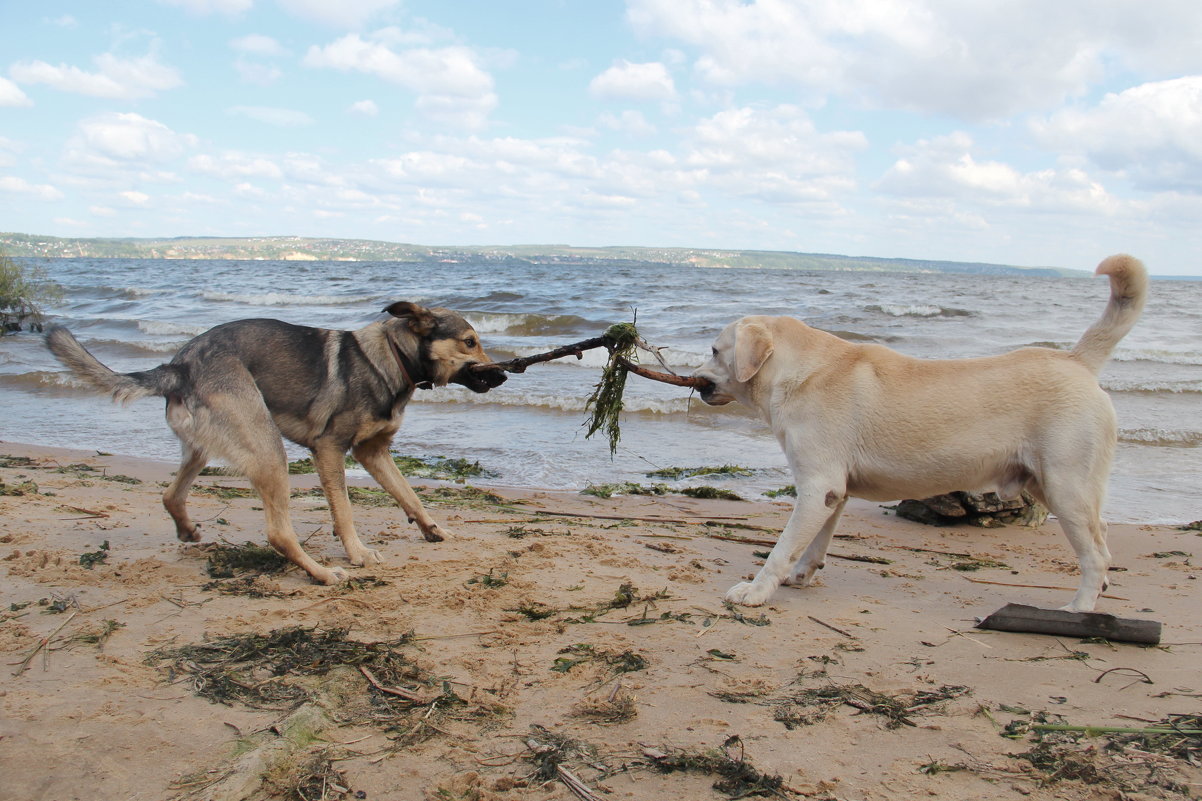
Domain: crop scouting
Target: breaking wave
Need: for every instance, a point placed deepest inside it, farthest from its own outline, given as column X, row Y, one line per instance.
column 288, row 299
column 531, row 325
column 162, row 328
column 917, row 310
column 1161, row 437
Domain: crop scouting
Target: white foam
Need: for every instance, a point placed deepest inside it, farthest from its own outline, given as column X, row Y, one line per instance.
column 287, row 299
column 164, row 328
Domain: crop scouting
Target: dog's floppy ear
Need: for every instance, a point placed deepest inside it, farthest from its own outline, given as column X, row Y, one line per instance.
column 421, row 320
column 753, row 346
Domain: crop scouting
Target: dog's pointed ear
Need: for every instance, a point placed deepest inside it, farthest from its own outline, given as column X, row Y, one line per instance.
column 421, row 320
column 753, row 346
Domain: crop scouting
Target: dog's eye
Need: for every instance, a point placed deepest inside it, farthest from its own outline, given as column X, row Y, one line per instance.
column 470, row 342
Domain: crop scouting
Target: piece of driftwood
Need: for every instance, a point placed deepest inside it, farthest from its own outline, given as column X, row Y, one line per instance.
column 519, row 365
column 577, row 349
column 1033, row 620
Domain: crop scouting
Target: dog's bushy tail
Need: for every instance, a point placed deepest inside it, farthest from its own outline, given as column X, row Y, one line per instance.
column 163, row 380
column 1128, row 291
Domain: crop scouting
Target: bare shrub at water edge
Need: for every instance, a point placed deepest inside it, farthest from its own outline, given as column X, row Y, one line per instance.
column 23, row 291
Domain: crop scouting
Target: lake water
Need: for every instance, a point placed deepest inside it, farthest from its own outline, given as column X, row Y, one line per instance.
column 134, row 314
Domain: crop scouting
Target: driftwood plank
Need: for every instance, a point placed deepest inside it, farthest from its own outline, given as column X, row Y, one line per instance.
column 1033, row 620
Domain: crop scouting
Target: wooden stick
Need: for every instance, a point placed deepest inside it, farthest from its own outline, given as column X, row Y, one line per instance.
column 577, row 349
column 519, row 365
column 667, row 378
column 1023, row 618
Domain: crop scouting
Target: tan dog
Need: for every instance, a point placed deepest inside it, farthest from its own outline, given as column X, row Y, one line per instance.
column 867, row 421
column 232, row 391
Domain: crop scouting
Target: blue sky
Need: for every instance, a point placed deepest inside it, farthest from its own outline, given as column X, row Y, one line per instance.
column 1020, row 132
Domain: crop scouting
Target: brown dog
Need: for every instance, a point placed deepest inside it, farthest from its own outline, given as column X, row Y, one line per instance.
column 232, row 391
column 867, row 421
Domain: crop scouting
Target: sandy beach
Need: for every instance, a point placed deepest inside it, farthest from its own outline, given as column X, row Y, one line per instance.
column 566, row 640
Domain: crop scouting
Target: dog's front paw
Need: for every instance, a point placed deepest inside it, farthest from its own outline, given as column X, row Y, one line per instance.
column 436, row 533
column 748, row 594
column 367, row 556
column 330, row 575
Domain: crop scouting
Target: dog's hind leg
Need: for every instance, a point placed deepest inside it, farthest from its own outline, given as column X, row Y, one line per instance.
column 1082, row 523
column 373, row 455
column 331, row 470
column 818, row 508
column 239, row 428
column 175, row 497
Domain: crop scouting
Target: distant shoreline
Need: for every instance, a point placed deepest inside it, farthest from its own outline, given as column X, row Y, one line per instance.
column 295, row 248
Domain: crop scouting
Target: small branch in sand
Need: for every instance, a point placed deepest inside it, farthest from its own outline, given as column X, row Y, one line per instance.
column 1038, row 587
column 88, row 513
column 408, row 695
column 673, row 520
column 42, row 643
column 832, row 628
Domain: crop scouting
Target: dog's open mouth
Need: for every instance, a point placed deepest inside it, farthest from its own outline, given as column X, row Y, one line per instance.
column 478, row 378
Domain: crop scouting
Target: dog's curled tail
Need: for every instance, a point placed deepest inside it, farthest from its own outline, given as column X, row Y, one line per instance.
column 163, row 380
column 1128, row 291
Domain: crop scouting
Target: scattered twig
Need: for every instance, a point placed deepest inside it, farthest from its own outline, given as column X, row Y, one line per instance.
column 832, row 628
column 453, row 636
column 88, row 513
column 1092, row 730
column 42, row 643
column 578, row 788
column 408, row 695
column 677, row 521
column 1038, row 587
column 1145, row 679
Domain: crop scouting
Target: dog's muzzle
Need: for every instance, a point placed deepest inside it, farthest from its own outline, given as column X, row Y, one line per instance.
column 479, row 379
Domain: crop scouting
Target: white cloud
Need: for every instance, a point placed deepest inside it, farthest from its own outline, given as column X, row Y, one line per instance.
column 19, row 186
column 367, row 108
column 102, row 211
column 232, row 165
column 340, row 14
column 115, row 78
column 134, row 198
column 255, row 52
column 945, row 168
column 280, row 117
column 257, row 44
column 641, row 82
column 65, row 21
column 257, row 73
column 776, row 154
column 204, row 7
column 11, row 94
column 128, row 137
column 450, row 84
column 975, row 61
column 629, row 122
column 1150, row 133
